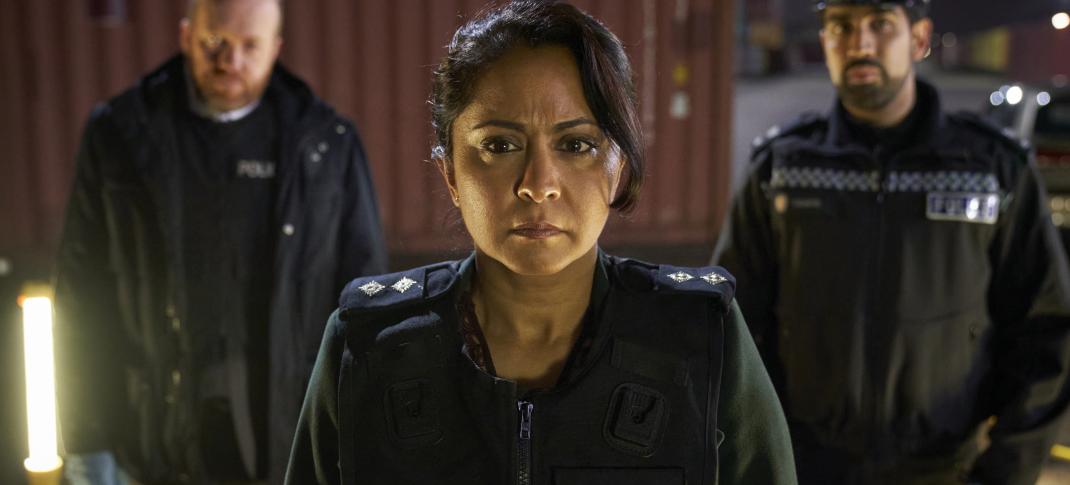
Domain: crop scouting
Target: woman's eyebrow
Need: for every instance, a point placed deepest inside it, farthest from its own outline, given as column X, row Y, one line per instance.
column 512, row 125
column 564, row 125
column 509, row 125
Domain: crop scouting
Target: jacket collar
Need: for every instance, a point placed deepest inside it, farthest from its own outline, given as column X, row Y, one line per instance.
column 200, row 108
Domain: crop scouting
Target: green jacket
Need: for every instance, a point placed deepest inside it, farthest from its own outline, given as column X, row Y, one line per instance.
column 672, row 390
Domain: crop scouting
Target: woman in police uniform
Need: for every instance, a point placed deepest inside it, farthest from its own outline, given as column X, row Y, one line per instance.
column 539, row 359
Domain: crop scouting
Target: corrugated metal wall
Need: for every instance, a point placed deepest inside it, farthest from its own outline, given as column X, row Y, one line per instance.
column 372, row 60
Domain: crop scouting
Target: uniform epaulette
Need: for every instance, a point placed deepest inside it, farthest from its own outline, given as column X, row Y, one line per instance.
column 707, row 280
column 986, row 126
column 397, row 290
column 712, row 281
column 803, row 122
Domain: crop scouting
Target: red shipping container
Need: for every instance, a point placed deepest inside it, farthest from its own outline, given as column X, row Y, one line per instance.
column 372, row 60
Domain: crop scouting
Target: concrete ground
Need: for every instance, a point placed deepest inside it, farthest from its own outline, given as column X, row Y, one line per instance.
column 1056, row 473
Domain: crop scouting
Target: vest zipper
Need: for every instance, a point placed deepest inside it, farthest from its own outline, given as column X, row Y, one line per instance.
column 526, row 408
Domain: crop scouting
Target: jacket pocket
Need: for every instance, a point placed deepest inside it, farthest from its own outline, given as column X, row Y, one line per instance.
column 618, row 476
column 938, row 384
column 321, row 228
column 817, row 356
column 139, row 431
column 127, row 210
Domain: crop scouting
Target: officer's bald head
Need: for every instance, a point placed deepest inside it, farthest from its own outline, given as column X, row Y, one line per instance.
column 214, row 5
column 230, row 47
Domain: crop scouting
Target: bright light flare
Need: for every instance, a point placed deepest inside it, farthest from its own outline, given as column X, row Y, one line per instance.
column 1060, row 20
column 996, row 98
column 40, row 385
column 1043, row 98
column 1015, row 95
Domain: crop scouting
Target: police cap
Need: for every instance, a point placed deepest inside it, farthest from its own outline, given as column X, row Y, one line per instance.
column 916, row 8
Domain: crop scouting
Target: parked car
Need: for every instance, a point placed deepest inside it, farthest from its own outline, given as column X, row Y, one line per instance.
column 1041, row 116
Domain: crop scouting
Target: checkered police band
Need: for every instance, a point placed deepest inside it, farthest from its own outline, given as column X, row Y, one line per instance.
column 869, row 181
column 949, row 195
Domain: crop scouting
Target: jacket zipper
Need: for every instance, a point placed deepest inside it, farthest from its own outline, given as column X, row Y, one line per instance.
column 874, row 376
column 525, row 408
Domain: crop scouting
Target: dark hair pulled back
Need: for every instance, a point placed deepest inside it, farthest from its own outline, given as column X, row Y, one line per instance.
column 605, row 74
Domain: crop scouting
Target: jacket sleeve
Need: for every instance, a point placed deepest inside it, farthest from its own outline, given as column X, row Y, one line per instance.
column 362, row 249
column 1029, row 301
column 314, row 455
column 757, row 447
column 91, row 390
column 747, row 249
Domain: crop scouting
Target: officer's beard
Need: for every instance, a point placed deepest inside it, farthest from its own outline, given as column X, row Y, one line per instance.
column 869, row 97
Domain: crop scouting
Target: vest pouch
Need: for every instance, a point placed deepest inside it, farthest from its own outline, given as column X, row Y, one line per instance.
column 636, row 419
column 618, row 476
column 412, row 413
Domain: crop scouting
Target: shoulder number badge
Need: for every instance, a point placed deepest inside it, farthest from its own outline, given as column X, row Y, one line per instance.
column 962, row 207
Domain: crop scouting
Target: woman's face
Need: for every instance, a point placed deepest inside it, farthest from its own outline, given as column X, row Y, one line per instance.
column 533, row 174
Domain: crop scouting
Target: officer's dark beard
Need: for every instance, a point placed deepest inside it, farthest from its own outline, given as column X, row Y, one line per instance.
column 869, row 97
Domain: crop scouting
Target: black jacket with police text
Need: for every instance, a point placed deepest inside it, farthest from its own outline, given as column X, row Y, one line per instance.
column 124, row 352
column 903, row 296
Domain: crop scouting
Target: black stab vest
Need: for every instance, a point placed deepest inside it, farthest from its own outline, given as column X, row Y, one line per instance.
column 642, row 409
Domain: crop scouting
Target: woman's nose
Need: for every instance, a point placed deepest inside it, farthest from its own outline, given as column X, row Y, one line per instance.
column 540, row 181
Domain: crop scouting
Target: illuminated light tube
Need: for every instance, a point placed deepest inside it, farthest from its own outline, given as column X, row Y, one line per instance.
column 40, row 387
column 1061, row 452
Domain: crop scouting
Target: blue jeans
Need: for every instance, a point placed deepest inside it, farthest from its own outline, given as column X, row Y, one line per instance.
column 97, row 468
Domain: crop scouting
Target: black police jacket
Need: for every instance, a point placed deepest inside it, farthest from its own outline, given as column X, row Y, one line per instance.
column 903, row 296
column 125, row 367
column 673, row 391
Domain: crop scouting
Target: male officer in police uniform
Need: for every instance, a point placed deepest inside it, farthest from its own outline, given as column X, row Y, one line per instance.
column 900, row 274
column 218, row 207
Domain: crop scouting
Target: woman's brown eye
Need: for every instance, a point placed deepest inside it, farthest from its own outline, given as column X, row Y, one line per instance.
column 578, row 145
column 499, row 146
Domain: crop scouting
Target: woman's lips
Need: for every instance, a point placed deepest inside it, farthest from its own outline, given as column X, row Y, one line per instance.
column 536, row 230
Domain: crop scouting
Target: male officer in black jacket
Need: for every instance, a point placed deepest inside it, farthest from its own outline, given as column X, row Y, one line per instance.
column 217, row 207
column 900, row 274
